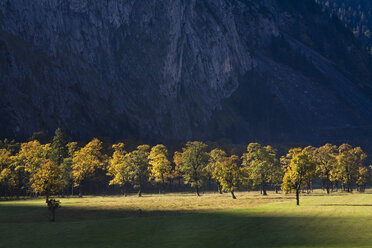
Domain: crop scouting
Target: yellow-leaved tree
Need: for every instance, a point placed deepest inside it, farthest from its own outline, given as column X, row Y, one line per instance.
column 7, row 174
column 160, row 166
column 215, row 156
column 326, row 160
column 86, row 162
column 229, row 174
column 363, row 178
column 193, row 162
column 47, row 179
column 299, row 167
column 139, row 167
column 349, row 160
column 119, row 168
column 260, row 164
column 32, row 154
column 176, row 173
column 29, row 160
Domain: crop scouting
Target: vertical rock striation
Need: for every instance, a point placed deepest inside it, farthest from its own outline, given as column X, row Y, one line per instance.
column 174, row 69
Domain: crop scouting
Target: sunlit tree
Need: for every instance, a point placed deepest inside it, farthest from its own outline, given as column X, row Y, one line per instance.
column 194, row 160
column 7, row 173
column 260, row 163
column 177, row 161
column 229, row 174
column 326, row 161
column 86, row 162
column 311, row 174
column 363, row 178
column 139, row 167
column 349, row 160
column 215, row 156
column 47, row 179
column 300, row 166
column 32, row 155
column 28, row 161
column 160, row 166
column 119, row 168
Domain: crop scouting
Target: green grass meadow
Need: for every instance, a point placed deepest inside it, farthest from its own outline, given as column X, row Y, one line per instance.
column 184, row 220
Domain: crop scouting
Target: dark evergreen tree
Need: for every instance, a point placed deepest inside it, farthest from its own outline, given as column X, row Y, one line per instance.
column 59, row 149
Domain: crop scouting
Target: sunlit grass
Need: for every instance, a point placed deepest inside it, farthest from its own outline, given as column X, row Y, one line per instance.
column 184, row 220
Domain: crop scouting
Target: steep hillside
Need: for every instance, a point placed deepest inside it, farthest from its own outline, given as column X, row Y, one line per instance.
column 356, row 15
column 275, row 71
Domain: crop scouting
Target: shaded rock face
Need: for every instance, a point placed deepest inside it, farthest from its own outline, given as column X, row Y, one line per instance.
column 176, row 69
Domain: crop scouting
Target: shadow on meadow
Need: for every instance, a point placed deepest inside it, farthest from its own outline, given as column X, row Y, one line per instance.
column 27, row 214
column 181, row 228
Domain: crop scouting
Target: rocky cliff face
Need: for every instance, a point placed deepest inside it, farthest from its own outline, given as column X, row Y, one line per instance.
column 177, row 69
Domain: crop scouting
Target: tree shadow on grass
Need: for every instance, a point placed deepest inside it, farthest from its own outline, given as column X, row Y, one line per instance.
column 86, row 227
column 28, row 214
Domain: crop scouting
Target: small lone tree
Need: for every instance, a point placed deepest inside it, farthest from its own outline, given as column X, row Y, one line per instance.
column 194, row 160
column 53, row 205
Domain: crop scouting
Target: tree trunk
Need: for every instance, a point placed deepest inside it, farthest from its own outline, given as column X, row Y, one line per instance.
column 140, row 192
column 159, row 188
column 124, row 190
column 264, row 189
column 298, row 197
column 219, row 188
column 233, row 195
column 363, row 188
column 276, row 190
column 46, row 198
column 197, row 191
column 81, row 191
column 163, row 186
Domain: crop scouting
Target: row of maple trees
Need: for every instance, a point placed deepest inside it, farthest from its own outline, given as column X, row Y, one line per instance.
column 46, row 169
